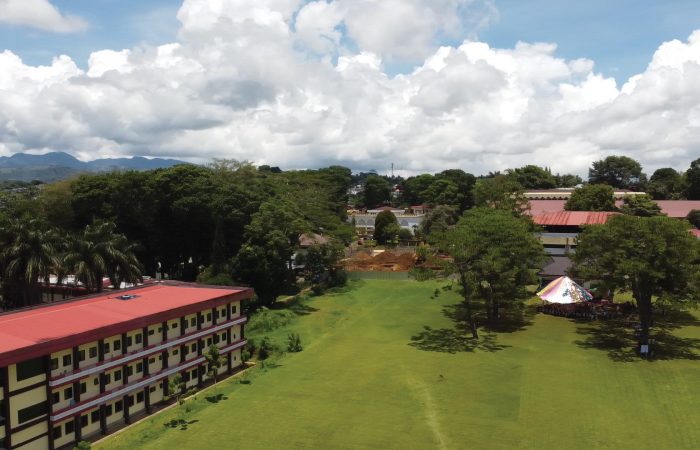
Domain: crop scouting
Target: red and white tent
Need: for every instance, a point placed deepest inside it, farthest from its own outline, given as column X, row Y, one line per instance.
column 564, row 290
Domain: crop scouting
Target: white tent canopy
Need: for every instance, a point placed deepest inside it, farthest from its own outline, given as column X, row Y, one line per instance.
column 564, row 290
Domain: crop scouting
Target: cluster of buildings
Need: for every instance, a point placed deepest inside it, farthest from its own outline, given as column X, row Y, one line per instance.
column 81, row 368
column 409, row 219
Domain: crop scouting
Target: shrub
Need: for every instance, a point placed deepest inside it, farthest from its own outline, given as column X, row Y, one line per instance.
column 267, row 320
column 294, row 343
column 317, row 289
column 83, row 445
column 337, row 278
column 266, row 348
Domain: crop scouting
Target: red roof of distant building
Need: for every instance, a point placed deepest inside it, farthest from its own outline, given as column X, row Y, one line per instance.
column 572, row 218
column 39, row 331
column 678, row 208
column 696, row 232
column 538, row 207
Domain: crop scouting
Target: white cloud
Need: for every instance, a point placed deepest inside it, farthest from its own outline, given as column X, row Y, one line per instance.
column 40, row 14
column 258, row 80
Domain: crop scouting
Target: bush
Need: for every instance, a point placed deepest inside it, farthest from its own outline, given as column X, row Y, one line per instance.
column 317, row 289
column 337, row 278
column 266, row 348
column 83, row 445
column 268, row 320
column 294, row 343
column 220, row 279
column 421, row 274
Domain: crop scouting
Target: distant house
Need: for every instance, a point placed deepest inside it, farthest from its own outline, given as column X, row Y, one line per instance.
column 364, row 221
column 306, row 240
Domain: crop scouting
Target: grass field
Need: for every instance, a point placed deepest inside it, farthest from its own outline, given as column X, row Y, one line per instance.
column 384, row 367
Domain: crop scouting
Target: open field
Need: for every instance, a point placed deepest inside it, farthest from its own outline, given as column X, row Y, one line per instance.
column 383, row 366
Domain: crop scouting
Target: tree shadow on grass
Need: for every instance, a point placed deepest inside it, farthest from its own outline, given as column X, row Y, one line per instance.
column 447, row 340
column 459, row 338
column 216, row 398
column 617, row 338
column 182, row 424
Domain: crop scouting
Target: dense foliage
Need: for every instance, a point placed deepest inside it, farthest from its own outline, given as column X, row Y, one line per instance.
column 591, row 197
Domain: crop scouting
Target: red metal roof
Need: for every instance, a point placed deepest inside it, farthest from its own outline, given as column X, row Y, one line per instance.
column 695, row 232
column 31, row 333
column 672, row 208
column 572, row 218
column 678, row 208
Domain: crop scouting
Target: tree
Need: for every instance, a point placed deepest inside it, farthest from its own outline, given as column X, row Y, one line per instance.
column 501, row 192
column 29, row 255
column 493, row 255
column 648, row 256
column 592, row 197
column 692, row 180
column 568, row 180
column 385, row 227
column 176, row 386
column 620, row 172
column 443, row 192
column 666, row 184
column 465, row 183
column 694, row 218
column 533, row 177
column 377, row 191
column 413, row 188
column 640, row 205
column 214, row 361
column 439, row 220
column 320, row 260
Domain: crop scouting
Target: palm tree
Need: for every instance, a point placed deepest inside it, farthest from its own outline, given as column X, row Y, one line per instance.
column 122, row 263
column 84, row 259
column 28, row 258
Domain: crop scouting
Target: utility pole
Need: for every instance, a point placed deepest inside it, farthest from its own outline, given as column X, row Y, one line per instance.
column 392, row 171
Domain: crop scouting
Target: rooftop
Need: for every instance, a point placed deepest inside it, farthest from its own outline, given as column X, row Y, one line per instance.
column 672, row 208
column 30, row 333
column 572, row 218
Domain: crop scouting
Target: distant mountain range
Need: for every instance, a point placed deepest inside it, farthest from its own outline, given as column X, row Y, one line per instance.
column 59, row 165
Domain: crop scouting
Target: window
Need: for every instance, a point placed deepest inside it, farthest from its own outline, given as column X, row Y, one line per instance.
column 186, row 377
column 32, row 412
column 93, row 352
column 105, row 347
column 117, row 345
column 129, row 371
column 139, row 367
column 68, row 394
column 96, row 381
column 139, row 338
column 54, row 363
column 30, row 368
column 108, row 410
column 57, row 432
column 69, row 427
column 175, row 352
column 108, row 378
column 152, row 361
column 129, row 341
column 194, row 347
column 81, row 355
column 151, row 332
column 209, row 317
column 129, row 400
column 83, row 421
column 139, row 397
column 95, row 416
column 83, row 387
column 216, row 314
column 67, row 360
column 152, row 389
column 216, row 338
column 117, row 375
column 118, row 406
column 209, row 342
column 193, row 322
column 233, row 309
column 174, row 325
column 160, row 357
column 55, row 397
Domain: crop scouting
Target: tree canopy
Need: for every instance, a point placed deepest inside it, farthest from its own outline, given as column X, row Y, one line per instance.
column 692, row 179
column 591, row 197
column 640, row 205
column 620, row 172
column 386, row 227
column 648, row 256
column 666, row 184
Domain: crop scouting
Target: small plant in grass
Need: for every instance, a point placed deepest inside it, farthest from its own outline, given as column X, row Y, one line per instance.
column 175, row 387
column 294, row 343
column 265, row 349
column 83, row 445
column 214, row 361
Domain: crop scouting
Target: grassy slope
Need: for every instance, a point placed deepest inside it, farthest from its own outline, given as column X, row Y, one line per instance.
column 359, row 384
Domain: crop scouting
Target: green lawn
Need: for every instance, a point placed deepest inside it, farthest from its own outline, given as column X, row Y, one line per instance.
column 362, row 382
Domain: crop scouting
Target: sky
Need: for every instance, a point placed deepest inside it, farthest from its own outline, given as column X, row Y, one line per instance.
column 481, row 85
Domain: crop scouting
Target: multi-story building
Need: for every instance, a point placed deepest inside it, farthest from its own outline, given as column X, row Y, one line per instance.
column 76, row 369
column 407, row 219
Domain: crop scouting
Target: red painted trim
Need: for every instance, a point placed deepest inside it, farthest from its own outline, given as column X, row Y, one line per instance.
column 48, row 347
column 135, row 352
column 28, row 388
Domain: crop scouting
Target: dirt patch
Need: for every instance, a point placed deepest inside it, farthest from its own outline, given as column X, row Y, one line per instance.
column 383, row 262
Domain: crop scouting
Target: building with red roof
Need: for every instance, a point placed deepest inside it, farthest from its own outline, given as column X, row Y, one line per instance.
column 75, row 369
